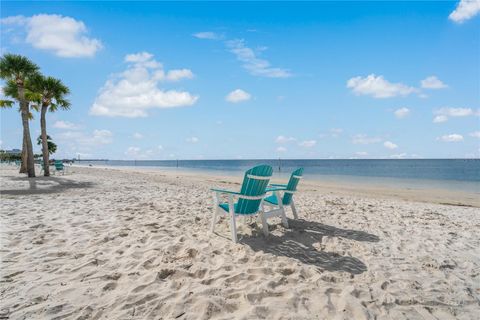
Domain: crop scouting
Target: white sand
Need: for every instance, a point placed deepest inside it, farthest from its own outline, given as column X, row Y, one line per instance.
column 123, row 244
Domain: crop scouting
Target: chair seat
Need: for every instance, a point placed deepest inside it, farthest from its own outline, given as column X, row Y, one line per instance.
column 271, row 199
column 225, row 207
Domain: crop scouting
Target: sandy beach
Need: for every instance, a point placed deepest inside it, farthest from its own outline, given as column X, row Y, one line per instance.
column 104, row 243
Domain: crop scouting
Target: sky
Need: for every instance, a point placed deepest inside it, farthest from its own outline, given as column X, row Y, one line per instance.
column 177, row 80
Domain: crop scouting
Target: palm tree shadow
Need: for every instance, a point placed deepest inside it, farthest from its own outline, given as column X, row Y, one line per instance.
column 45, row 185
column 297, row 243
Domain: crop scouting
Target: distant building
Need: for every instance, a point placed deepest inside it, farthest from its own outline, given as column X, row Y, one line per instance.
column 13, row 151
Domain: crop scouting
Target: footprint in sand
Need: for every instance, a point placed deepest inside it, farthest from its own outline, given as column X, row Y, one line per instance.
column 110, row 286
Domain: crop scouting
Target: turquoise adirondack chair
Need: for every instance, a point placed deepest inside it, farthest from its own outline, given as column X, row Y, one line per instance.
column 59, row 167
column 287, row 200
column 249, row 201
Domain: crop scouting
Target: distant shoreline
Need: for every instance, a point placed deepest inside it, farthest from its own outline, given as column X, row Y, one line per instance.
column 456, row 175
column 276, row 159
column 454, row 197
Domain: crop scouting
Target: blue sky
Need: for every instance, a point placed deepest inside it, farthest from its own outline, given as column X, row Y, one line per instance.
column 156, row 80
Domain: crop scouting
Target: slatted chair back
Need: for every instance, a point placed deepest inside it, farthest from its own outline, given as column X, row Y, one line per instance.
column 292, row 186
column 58, row 165
column 253, row 189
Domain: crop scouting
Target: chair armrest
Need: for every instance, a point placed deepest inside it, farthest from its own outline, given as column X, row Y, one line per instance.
column 277, row 185
column 225, row 191
column 273, row 189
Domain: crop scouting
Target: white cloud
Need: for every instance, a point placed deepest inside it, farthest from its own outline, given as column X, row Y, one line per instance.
column 399, row 156
column 143, row 59
column 177, row 75
column 364, row 139
column 14, row 20
column 207, row 35
column 281, row 149
column 192, row 140
column 238, row 95
column 456, row 112
column 60, row 124
column 308, row 143
column 475, row 134
column 402, row 113
column 440, row 119
column 361, row 153
column 390, row 145
column 137, row 153
column 85, row 141
column 132, row 151
column 443, row 114
column 466, row 9
column 451, row 138
column 101, row 137
column 378, row 87
column 133, row 92
column 284, row 139
column 137, row 135
column 254, row 65
column 64, row 36
column 433, row 82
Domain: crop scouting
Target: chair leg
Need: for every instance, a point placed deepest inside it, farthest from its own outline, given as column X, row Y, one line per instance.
column 214, row 219
column 215, row 212
column 282, row 209
column 233, row 226
column 284, row 218
column 294, row 210
column 264, row 224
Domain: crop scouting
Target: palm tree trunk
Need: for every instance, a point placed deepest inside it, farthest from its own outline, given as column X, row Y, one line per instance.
column 26, row 131
column 43, row 126
column 23, row 163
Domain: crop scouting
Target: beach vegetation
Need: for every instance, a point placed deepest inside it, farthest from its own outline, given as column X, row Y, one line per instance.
column 18, row 69
column 50, row 95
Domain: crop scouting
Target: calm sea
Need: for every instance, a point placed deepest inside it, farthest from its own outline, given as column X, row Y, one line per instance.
column 457, row 174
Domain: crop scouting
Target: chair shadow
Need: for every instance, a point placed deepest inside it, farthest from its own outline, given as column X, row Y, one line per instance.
column 45, row 185
column 297, row 243
column 326, row 230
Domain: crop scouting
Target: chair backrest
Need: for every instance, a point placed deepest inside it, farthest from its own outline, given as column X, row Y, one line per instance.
column 254, row 184
column 292, row 186
column 58, row 165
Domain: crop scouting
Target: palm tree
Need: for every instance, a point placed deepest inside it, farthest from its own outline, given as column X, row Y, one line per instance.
column 19, row 69
column 52, row 146
column 50, row 94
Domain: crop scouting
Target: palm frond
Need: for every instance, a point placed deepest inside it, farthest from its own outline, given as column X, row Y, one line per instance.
column 51, row 90
column 17, row 67
column 6, row 103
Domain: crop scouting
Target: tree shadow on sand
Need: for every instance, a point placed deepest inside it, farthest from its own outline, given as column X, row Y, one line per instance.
column 297, row 243
column 45, row 185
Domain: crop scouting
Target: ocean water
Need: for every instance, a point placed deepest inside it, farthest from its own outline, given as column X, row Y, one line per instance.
column 452, row 174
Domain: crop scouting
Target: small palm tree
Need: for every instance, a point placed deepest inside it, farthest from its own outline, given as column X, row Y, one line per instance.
column 52, row 146
column 19, row 69
column 50, row 95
